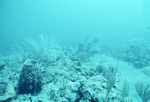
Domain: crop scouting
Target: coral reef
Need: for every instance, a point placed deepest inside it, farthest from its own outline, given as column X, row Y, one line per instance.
column 92, row 91
column 135, row 53
column 65, row 73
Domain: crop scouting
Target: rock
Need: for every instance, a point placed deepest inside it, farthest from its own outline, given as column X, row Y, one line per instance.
column 6, row 91
column 146, row 71
column 2, row 64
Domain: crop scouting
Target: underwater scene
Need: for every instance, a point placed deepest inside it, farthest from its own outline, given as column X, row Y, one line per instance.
column 74, row 51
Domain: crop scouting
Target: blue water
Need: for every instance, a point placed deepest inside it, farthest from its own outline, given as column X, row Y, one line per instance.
column 108, row 20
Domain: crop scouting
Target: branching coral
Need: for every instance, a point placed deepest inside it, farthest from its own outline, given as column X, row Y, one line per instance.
column 85, row 50
column 125, row 91
column 110, row 76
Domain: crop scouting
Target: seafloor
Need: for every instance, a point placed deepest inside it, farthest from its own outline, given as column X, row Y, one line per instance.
column 86, row 71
